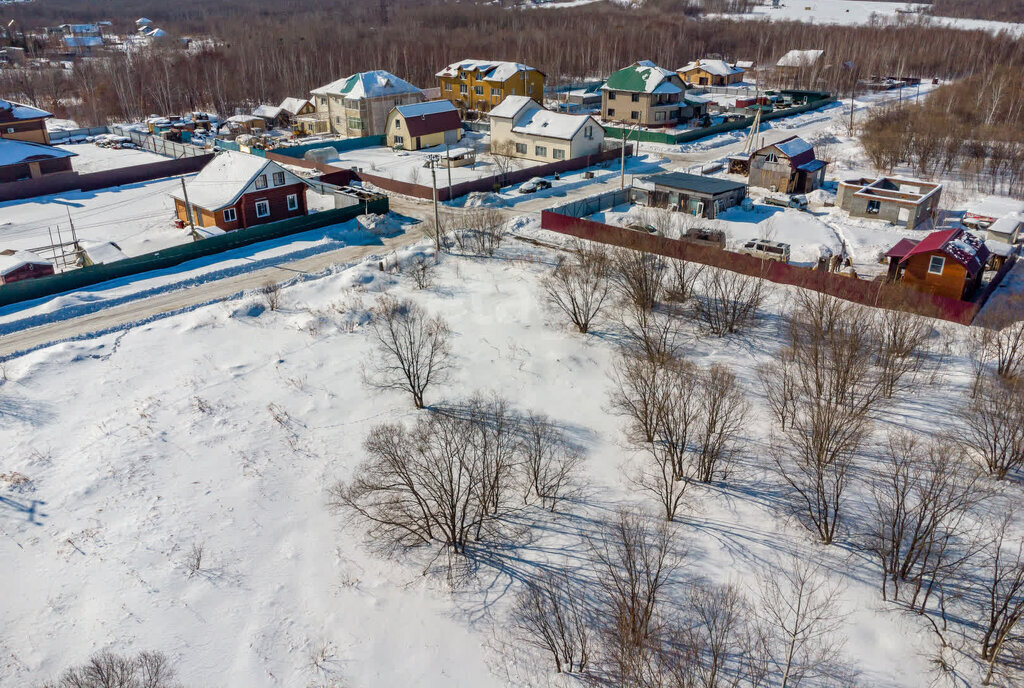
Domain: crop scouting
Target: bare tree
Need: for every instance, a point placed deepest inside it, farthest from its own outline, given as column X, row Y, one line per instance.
column 992, row 427
column 719, row 634
column 722, row 414
column 271, row 293
column 550, row 615
column 921, row 498
column 902, row 340
column 639, row 385
column 836, row 393
column 505, row 159
column 422, row 270
column 550, row 463
column 683, row 276
column 779, row 380
column 636, row 567
column 109, row 670
column 649, row 333
column 728, row 301
column 798, row 610
column 481, row 231
column 1002, row 589
column 412, row 349
column 638, row 277
column 579, row 284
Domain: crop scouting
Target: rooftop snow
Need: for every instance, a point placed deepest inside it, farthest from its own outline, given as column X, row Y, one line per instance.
column 82, row 41
column 555, row 125
column 293, row 105
column 794, row 146
column 224, row 179
column 103, row 252
column 432, row 107
column 714, row 67
column 13, row 152
column 9, row 262
column 267, row 111
column 490, row 70
column 511, row 106
column 642, row 77
column 373, row 84
column 9, row 110
column 799, row 58
column 1007, row 224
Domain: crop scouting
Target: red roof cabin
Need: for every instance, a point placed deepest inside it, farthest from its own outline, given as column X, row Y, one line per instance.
column 947, row 263
column 423, row 125
column 22, row 265
column 239, row 190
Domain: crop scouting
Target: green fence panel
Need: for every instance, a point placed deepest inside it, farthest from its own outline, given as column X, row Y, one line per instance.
column 341, row 146
column 27, row 290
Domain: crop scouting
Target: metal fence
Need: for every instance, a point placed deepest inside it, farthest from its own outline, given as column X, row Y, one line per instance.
column 66, row 135
column 158, row 145
column 592, row 204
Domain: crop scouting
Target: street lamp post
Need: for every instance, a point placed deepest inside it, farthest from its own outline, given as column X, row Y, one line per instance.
column 432, row 160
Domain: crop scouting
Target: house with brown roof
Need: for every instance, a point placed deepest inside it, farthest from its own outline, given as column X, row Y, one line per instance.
column 787, row 166
column 710, row 73
column 423, row 125
column 947, row 263
column 23, row 122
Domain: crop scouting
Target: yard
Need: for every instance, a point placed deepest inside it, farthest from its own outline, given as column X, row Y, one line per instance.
column 93, row 158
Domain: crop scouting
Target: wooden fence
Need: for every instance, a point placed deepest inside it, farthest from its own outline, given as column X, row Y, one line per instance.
column 877, row 293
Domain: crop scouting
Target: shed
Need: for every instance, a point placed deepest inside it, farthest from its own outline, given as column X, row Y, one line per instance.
column 787, row 166
column 21, row 265
column 710, row 73
column 947, row 263
column 1006, row 229
column 690, row 193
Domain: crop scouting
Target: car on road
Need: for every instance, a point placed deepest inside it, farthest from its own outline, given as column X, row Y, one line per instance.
column 535, row 185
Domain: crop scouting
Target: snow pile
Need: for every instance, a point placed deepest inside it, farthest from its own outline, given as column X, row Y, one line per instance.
column 483, row 199
column 821, row 197
column 380, row 225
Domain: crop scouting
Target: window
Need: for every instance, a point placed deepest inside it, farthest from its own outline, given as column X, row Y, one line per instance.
column 521, row 148
column 337, row 119
column 463, row 89
column 197, row 215
column 261, row 181
column 771, row 157
column 279, row 179
column 479, row 90
column 635, row 97
column 10, row 130
column 513, row 92
column 936, row 264
column 262, row 208
column 541, row 151
column 398, row 124
column 495, row 92
column 399, row 140
column 588, row 131
column 558, row 153
column 293, row 201
column 634, row 115
column 355, row 123
column 659, row 116
column 323, row 101
column 611, row 112
column 447, row 87
column 230, row 215
column 529, row 89
column 611, row 95
column 874, row 207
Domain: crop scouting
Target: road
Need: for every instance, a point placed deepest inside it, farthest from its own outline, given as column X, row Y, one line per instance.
column 169, row 302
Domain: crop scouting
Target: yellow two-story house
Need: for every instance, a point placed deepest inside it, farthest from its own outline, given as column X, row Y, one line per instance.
column 482, row 84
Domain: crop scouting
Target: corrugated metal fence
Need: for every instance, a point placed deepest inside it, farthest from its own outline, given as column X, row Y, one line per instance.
column 159, row 145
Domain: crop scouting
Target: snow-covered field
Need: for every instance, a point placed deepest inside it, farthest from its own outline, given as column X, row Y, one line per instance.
column 92, row 158
column 225, row 426
column 855, row 12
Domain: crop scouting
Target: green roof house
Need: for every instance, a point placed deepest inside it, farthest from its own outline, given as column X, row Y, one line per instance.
column 646, row 94
column 358, row 105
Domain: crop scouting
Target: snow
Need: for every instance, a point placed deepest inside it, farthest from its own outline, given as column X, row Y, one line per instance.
column 103, row 252
column 793, row 146
column 267, row 111
column 293, row 105
column 491, row 70
column 137, row 217
column 140, row 443
column 432, row 107
column 510, row 106
column 227, row 177
column 19, row 111
column 13, row 152
column 93, row 158
column 373, row 84
column 799, row 58
column 715, row 67
column 9, row 262
column 556, row 125
column 859, row 12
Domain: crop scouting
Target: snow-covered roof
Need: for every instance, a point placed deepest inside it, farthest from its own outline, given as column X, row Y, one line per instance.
column 1007, row 224
column 15, row 152
column 554, row 125
column 242, row 118
column 156, row 33
column 432, row 107
column 9, row 262
column 510, row 106
column 799, row 58
column 293, row 105
column 995, row 206
column 82, row 41
column 225, row 179
column 267, row 111
column 714, row 67
column 367, row 85
column 490, row 70
column 103, row 252
column 643, row 77
column 794, row 146
column 10, row 111
column 141, row 21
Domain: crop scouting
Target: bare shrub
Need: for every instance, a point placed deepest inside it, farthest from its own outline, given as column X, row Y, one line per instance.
column 722, row 413
column 800, row 619
column 109, row 670
column 836, row 391
column 922, row 495
column 638, row 277
column 779, row 382
column 1001, row 588
column 550, row 615
column 422, row 270
column 639, row 383
column 720, row 638
column 194, row 559
column 271, row 293
column 728, row 301
column 649, row 333
column 484, row 230
column 550, row 463
column 902, row 340
column 578, row 286
column 412, row 349
column 682, row 278
column 636, row 567
column 992, row 426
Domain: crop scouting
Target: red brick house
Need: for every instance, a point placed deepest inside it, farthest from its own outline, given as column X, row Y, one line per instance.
column 21, row 265
column 238, row 190
column 948, row 263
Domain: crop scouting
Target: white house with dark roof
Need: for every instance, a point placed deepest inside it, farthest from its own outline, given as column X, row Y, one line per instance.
column 358, row 105
column 522, row 128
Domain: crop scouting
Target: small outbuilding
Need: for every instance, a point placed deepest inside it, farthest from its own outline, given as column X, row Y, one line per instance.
column 947, row 263
column 787, row 166
column 710, row 73
column 22, row 265
column 238, row 190
column 423, row 125
column 273, row 116
column 1006, row 229
column 693, row 194
column 21, row 160
column 901, row 201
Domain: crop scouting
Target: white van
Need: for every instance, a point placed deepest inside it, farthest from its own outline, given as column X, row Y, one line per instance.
column 766, row 250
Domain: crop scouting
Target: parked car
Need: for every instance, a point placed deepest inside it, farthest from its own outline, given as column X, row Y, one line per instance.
column 535, row 185
column 798, row 201
column 648, row 229
column 767, row 250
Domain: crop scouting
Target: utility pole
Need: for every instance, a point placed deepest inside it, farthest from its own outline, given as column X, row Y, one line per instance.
column 622, row 164
column 188, row 206
column 448, row 162
column 74, row 235
column 432, row 159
